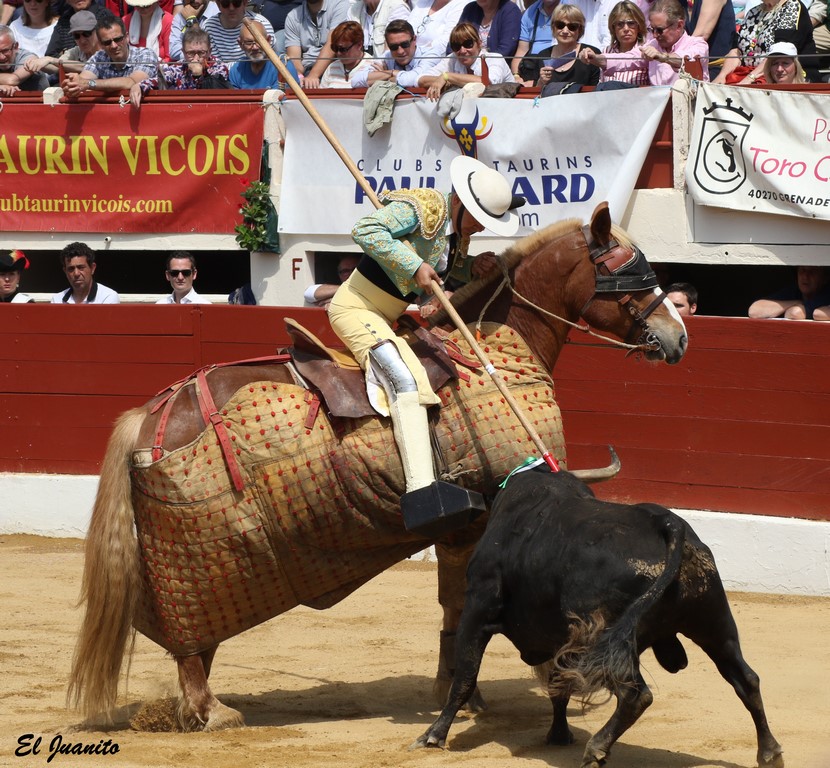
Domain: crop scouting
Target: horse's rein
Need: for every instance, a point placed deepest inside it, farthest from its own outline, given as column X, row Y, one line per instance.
column 583, row 328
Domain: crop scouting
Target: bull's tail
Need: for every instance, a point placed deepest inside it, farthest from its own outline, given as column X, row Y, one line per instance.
column 110, row 584
column 596, row 657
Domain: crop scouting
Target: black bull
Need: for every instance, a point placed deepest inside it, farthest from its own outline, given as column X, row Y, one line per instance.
column 582, row 587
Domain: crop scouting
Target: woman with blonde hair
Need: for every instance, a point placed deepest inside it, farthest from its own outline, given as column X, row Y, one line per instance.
column 622, row 60
column 562, row 63
column 782, row 66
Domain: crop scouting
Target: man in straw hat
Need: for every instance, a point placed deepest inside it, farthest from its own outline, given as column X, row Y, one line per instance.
column 388, row 278
column 11, row 265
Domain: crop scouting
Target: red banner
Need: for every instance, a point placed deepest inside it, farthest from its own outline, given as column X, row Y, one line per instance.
column 110, row 168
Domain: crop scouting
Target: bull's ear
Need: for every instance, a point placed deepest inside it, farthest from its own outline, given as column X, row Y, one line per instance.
column 601, row 223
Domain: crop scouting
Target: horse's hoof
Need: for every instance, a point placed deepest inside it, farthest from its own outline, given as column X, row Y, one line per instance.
column 427, row 740
column 222, row 717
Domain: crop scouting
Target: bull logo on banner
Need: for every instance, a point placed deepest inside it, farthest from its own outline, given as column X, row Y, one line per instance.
column 467, row 128
column 720, row 167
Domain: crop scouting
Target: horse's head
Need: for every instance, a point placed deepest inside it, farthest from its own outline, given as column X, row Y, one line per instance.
column 547, row 281
column 626, row 299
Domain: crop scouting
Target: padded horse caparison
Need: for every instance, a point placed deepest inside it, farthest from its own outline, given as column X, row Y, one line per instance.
column 333, row 376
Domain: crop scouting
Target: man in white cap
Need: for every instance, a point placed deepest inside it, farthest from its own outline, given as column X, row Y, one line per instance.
column 388, row 278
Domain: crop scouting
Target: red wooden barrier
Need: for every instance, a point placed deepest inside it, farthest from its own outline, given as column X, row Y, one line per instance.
column 742, row 424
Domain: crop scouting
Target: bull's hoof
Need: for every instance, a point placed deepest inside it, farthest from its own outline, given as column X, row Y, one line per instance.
column 593, row 758
column 428, row 740
column 772, row 759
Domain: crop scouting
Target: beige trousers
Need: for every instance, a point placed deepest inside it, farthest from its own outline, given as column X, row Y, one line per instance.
column 362, row 314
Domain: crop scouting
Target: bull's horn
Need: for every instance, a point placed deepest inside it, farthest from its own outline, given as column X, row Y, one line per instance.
column 602, row 473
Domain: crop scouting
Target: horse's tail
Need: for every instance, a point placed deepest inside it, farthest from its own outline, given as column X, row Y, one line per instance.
column 110, row 584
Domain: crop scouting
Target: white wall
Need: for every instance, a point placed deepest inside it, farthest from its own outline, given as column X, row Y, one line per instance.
column 754, row 553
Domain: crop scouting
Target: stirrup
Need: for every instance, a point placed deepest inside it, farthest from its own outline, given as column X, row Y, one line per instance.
column 440, row 508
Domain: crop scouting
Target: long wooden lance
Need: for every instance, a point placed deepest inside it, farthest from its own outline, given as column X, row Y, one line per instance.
column 437, row 290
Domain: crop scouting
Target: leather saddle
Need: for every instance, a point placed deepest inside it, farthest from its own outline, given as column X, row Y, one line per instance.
column 338, row 378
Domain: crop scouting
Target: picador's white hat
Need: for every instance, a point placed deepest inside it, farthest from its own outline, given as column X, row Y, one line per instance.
column 486, row 194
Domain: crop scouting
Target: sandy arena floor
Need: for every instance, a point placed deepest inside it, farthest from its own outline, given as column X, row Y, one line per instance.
column 351, row 687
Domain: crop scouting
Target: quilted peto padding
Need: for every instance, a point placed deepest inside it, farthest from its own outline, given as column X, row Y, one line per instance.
column 319, row 513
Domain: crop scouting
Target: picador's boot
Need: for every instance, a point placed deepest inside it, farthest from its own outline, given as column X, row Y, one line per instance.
column 430, row 507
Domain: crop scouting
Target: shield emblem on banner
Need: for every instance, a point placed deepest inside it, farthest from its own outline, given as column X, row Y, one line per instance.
column 720, row 166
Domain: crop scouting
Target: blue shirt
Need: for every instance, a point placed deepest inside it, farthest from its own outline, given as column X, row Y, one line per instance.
column 242, row 76
column 535, row 17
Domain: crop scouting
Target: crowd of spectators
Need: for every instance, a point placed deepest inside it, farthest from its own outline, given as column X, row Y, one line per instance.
column 113, row 45
column 805, row 295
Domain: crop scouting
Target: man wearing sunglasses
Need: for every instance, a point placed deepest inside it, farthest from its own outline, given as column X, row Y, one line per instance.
column 403, row 64
column 116, row 67
column 14, row 75
column 180, row 273
column 669, row 43
column 226, row 26
column 63, row 38
column 82, row 28
column 388, row 277
column 193, row 13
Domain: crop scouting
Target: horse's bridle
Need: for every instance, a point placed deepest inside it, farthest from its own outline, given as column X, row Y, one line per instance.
column 624, row 270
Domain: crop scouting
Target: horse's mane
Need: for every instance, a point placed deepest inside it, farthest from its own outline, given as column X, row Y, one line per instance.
column 515, row 255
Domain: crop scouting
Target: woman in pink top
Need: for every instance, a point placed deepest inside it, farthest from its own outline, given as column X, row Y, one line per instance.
column 622, row 59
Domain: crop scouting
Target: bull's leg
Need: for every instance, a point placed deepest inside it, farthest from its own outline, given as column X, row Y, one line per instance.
column 632, row 700
column 559, row 733
column 473, row 635
column 718, row 637
column 452, row 584
column 198, row 708
column 730, row 663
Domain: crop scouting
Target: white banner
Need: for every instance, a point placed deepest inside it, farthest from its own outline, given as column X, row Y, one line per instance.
column 565, row 154
column 758, row 150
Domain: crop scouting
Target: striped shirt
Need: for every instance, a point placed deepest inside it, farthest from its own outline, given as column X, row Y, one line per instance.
column 628, row 67
column 224, row 43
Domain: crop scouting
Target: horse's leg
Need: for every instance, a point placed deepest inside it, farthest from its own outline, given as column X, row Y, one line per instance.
column 453, row 557
column 199, row 709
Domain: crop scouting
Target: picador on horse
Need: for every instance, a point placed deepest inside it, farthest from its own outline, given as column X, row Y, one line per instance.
column 392, row 275
column 245, row 490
